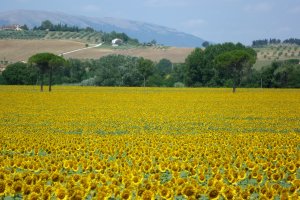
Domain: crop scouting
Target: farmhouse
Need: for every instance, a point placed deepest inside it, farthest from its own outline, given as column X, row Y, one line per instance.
column 14, row 27
column 116, row 42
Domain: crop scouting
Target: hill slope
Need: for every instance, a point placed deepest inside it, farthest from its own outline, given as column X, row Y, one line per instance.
column 144, row 32
column 267, row 54
column 21, row 50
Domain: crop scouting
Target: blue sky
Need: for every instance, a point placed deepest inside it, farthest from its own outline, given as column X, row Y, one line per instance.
column 213, row 20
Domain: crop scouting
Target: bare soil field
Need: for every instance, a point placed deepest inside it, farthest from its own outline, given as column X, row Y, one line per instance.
column 21, row 50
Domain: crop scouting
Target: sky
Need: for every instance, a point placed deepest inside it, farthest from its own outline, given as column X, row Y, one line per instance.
column 213, row 20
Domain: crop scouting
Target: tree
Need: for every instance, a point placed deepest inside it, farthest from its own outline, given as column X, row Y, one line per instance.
column 164, row 66
column 46, row 62
column 46, row 25
column 24, row 27
column 146, row 68
column 17, row 74
column 234, row 63
column 205, row 44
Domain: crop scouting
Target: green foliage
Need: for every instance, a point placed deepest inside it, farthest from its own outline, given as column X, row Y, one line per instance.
column 108, row 37
column 281, row 74
column 26, row 35
column 46, row 62
column 117, row 70
column 205, row 44
column 145, row 68
column 19, row 74
column 203, row 66
column 164, row 66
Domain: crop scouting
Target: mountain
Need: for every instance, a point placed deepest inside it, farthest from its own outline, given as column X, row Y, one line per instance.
column 144, row 32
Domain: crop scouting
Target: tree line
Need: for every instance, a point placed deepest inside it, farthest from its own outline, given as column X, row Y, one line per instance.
column 265, row 42
column 106, row 37
column 220, row 65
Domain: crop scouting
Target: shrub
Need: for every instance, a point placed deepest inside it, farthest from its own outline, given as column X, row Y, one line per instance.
column 179, row 85
column 88, row 82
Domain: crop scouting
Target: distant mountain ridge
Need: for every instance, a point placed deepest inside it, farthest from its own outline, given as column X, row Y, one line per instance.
column 144, row 32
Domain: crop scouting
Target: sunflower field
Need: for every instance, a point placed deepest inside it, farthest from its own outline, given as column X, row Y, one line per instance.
column 149, row 143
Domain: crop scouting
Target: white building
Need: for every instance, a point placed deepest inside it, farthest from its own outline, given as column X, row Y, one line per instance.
column 116, row 42
column 14, row 27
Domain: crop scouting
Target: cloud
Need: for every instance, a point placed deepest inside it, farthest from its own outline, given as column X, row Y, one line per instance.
column 259, row 7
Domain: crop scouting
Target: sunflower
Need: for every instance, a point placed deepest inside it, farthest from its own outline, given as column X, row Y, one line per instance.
column 242, row 174
column 296, row 183
column 77, row 194
column 33, row 196
column 259, row 178
column 26, row 189
column 37, row 188
column 202, row 178
column 61, row 193
column 46, row 196
column 218, row 176
column 164, row 192
column 147, row 195
column 55, row 176
column 17, row 186
column 284, row 196
column 28, row 180
column 189, row 190
column 228, row 193
column 291, row 167
column 292, row 189
column 76, row 177
column 269, row 194
column 93, row 185
column 245, row 194
column 213, row 193
column 275, row 176
column 126, row 194
column 136, row 180
column 2, row 188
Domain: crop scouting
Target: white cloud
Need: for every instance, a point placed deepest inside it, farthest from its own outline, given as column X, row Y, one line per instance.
column 259, row 7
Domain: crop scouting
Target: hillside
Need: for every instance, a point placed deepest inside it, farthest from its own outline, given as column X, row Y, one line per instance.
column 269, row 53
column 144, row 32
column 82, row 36
column 19, row 50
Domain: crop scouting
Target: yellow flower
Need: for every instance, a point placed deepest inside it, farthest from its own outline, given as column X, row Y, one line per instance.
column 213, row 193
column 17, row 186
column 2, row 188
column 147, row 195
column 189, row 190
column 61, row 193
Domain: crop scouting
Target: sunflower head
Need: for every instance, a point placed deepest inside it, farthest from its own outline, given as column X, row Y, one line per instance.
column 2, row 188
column 213, row 193
column 61, row 193
column 189, row 190
column 33, row 196
column 147, row 195
column 126, row 194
